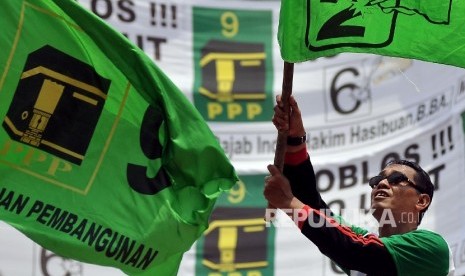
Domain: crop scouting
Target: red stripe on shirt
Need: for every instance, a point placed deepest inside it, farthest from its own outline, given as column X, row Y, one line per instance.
column 295, row 158
column 370, row 239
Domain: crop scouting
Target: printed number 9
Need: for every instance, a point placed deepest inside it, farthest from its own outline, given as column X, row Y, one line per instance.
column 230, row 24
column 237, row 193
column 152, row 149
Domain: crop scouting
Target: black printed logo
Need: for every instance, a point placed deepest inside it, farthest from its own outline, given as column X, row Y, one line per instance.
column 236, row 240
column 57, row 104
column 365, row 23
column 227, row 70
column 232, row 81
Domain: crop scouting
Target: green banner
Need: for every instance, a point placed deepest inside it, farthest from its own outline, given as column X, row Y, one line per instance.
column 430, row 31
column 102, row 158
column 233, row 64
column 238, row 241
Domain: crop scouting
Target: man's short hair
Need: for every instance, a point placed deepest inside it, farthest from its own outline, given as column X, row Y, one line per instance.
column 421, row 179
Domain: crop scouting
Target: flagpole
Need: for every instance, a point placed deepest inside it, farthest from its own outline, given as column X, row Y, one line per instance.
column 281, row 142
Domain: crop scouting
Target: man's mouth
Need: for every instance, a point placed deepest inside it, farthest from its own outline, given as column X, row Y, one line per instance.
column 381, row 194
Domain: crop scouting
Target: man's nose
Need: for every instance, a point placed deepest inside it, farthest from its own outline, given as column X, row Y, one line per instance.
column 383, row 184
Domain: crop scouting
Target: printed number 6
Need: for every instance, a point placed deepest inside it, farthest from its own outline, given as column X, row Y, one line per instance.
column 152, row 149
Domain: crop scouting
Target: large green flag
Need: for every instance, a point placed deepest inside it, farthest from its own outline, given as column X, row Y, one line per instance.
column 424, row 30
column 102, row 158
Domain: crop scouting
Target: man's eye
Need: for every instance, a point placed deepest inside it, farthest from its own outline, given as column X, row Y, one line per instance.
column 396, row 178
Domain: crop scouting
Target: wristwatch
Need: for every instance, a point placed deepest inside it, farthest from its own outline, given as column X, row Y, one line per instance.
column 296, row 141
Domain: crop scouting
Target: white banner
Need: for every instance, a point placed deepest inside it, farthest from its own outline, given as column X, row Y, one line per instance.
column 359, row 110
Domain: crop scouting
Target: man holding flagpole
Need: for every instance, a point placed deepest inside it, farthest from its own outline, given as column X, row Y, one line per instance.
column 401, row 188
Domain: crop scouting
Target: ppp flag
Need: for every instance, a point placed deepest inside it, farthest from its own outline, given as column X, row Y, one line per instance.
column 102, row 158
column 424, row 30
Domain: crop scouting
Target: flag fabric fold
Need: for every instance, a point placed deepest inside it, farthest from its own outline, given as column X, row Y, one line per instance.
column 429, row 31
column 102, row 158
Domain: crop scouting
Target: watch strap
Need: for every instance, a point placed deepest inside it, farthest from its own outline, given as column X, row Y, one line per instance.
column 296, row 141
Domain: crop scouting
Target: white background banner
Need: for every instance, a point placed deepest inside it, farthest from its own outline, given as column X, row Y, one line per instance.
column 360, row 111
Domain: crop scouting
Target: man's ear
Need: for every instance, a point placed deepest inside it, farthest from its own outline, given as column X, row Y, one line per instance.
column 423, row 202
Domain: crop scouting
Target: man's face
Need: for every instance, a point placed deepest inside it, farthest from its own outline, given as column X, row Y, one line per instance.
column 399, row 198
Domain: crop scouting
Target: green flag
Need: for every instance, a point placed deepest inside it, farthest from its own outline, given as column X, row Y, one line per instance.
column 424, row 30
column 102, row 158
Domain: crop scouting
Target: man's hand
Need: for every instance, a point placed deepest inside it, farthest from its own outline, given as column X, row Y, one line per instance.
column 278, row 191
column 282, row 121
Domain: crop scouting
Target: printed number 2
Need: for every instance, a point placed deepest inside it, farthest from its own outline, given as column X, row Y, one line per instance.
column 334, row 28
column 152, row 149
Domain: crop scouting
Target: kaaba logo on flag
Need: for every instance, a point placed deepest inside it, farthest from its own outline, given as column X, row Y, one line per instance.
column 57, row 104
column 233, row 71
column 236, row 239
